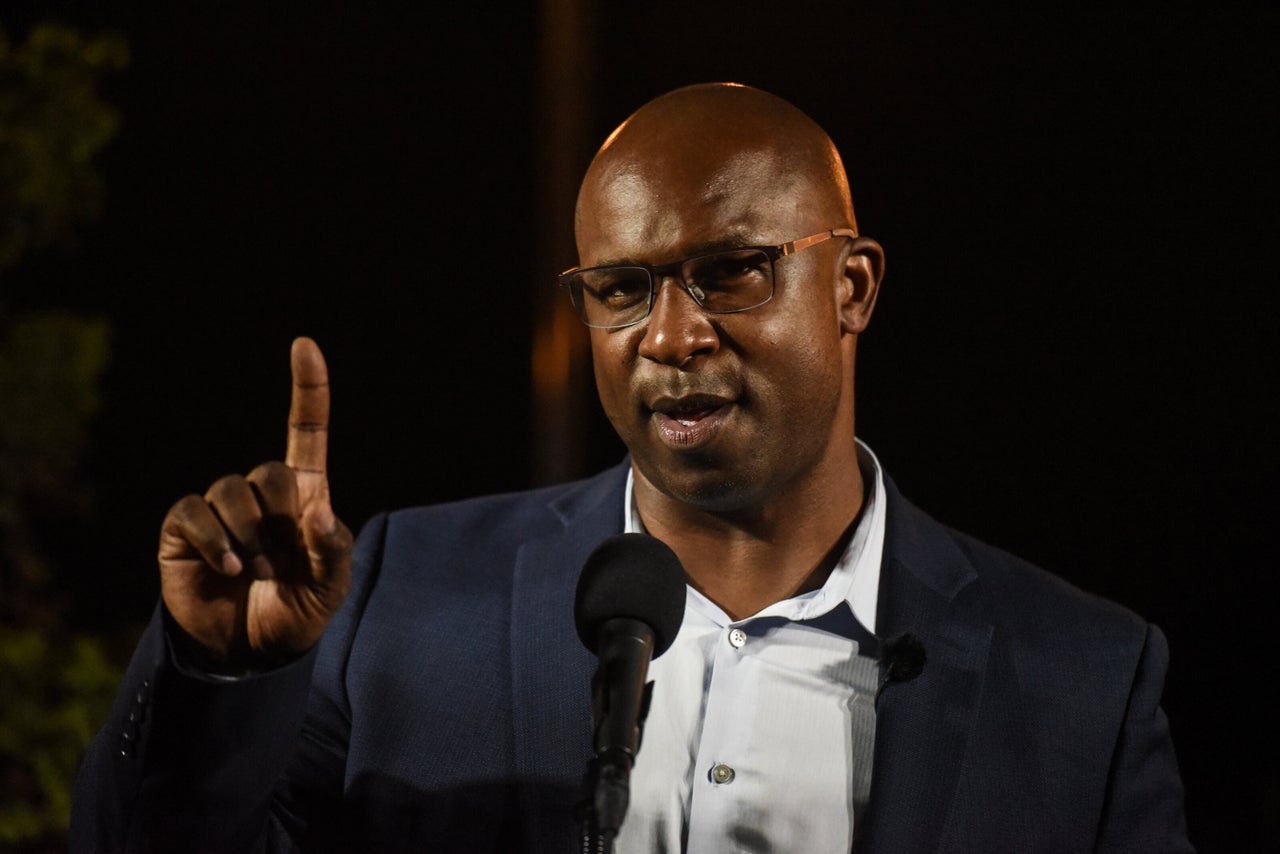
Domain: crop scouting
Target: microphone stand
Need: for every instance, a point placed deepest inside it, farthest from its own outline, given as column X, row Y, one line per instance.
column 606, row 783
column 607, row 794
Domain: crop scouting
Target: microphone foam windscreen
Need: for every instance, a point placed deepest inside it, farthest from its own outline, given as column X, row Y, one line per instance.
column 635, row 576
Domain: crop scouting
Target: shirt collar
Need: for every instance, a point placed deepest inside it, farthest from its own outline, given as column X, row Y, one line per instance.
column 854, row 580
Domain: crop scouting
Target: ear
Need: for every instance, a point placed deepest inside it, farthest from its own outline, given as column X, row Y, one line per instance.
column 863, row 270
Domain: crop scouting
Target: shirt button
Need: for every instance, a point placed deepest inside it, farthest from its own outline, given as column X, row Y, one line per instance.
column 737, row 638
column 722, row 774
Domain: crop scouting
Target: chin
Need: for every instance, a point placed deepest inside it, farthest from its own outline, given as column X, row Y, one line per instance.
column 708, row 489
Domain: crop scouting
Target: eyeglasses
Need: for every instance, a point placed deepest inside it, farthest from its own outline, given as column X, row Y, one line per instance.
column 734, row 280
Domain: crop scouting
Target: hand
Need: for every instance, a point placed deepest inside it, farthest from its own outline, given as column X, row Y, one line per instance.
column 254, row 570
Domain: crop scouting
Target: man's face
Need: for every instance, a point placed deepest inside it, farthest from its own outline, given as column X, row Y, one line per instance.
column 724, row 412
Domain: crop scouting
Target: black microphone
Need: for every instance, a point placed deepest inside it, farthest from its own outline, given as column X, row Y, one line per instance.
column 628, row 608
column 902, row 658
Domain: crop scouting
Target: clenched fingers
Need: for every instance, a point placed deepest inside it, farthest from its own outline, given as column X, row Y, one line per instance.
column 236, row 505
column 191, row 530
column 276, row 488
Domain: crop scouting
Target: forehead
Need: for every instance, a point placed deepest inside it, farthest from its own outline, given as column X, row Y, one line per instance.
column 659, row 208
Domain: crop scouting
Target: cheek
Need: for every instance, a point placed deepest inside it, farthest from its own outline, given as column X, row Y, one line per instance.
column 606, row 386
column 802, row 373
column 612, row 371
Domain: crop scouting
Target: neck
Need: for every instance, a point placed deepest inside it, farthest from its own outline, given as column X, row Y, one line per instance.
column 748, row 559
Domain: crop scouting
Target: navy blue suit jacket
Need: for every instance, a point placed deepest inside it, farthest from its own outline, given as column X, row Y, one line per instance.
column 447, row 707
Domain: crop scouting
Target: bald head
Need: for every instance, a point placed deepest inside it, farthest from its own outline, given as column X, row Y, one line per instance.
column 714, row 140
column 724, row 409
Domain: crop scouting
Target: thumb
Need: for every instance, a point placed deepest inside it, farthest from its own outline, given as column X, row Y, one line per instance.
column 328, row 543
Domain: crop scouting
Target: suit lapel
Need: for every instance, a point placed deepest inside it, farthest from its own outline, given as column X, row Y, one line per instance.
column 923, row 726
column 551, row 670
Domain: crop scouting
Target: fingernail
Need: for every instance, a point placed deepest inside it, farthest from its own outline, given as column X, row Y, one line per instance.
column 231, row 564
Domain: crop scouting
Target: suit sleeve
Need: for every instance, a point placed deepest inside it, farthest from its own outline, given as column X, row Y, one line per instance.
column 193, row 763
column 1144, row 804
column 187, row 763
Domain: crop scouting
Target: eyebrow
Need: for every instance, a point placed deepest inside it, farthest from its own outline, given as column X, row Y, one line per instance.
column 733, row 240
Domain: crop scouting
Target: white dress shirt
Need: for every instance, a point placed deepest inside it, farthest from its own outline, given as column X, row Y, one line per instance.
column 760, row 733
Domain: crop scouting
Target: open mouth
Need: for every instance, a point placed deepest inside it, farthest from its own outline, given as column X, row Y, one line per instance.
column 689, row 423
column 688, row 417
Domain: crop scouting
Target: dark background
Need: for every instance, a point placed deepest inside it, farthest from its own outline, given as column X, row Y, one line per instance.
column 1070, row 357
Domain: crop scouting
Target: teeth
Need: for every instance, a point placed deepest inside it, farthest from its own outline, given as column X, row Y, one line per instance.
column 688, row 416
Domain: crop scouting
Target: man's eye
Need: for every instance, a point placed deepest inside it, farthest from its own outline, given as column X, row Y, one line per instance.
column 616, row 291
column 731, row 270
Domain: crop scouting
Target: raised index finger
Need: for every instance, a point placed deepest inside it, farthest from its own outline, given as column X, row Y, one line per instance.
column 307, row 447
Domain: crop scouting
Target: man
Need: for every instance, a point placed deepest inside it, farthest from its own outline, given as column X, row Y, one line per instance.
column 442, row 703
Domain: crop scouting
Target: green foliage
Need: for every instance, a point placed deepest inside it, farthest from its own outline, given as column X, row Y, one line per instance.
column 57, row 690
column 52, row 124
column 50, row 365
column 55, row 686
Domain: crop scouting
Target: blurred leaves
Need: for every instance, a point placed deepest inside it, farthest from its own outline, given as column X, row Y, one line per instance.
column 50, row 366
column 56, row 686
column 52, row 124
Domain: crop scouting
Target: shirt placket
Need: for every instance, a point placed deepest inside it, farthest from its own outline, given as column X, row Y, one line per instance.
column 724, row 776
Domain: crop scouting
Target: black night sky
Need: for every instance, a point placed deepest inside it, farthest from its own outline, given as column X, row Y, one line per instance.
column 1070, row 357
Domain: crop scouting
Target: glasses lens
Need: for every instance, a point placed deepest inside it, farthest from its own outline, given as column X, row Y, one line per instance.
column 611, row 296
column 730, row 281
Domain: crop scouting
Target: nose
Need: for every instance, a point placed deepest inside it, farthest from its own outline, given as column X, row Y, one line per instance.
column 677, row 329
